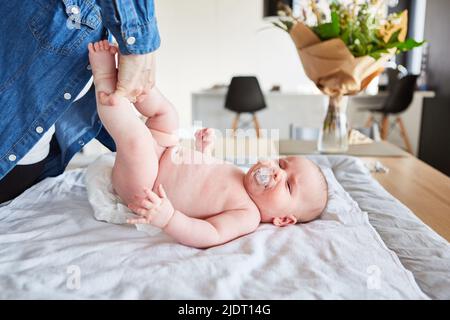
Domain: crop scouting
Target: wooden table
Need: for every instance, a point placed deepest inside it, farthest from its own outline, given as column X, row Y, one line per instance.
column 424, row 190
column 420, row 187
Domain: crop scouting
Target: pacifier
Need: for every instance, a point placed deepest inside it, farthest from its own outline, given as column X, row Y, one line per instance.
column 263, row 176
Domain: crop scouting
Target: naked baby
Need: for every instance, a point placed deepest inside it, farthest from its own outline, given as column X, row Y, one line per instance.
column 198, row 203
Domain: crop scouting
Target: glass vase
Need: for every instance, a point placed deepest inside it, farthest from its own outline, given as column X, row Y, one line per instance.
column 333, row 137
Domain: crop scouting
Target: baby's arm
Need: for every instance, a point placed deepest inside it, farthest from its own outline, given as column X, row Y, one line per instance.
column 214, row 231
column 219, row 229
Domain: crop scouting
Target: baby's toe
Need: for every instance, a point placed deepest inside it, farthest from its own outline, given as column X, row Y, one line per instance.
column 113, row 49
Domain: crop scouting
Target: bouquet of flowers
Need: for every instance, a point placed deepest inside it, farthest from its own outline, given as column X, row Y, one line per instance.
column 344, row 44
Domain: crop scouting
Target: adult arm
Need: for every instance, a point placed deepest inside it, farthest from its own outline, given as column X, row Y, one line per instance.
column 133, row 24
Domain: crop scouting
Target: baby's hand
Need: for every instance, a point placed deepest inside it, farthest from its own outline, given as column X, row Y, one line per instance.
column 204, row 140
column 155, row 210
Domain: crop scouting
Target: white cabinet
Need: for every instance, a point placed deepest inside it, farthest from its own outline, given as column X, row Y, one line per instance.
column 304, row 110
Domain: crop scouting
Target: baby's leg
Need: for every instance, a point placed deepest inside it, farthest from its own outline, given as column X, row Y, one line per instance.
column 136, row 164
column 161, row 114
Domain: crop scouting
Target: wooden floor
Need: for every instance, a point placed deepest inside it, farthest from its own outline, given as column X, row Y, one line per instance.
column 421, row 188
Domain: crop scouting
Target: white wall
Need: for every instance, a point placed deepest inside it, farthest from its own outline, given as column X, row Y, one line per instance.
column 205, row 42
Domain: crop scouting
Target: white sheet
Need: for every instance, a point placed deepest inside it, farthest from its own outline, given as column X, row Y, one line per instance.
column 49, row 234
column 420, row 249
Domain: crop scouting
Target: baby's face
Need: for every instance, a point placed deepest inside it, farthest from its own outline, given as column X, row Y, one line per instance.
column 287, row 190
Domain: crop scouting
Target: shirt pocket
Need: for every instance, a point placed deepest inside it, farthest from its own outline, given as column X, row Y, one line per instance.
column 61, row 26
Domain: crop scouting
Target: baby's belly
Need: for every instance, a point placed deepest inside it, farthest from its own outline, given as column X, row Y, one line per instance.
column 198, row 185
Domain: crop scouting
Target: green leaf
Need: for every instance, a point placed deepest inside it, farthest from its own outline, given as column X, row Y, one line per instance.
column 409, row 44
column 289, row 24
column 283, row 24
column 394, row 37
column 279, row 25
column 345, row 36
column 329, row 30
column 378, row 53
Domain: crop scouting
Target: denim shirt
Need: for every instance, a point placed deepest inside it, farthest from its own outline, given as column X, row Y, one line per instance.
column 44, row 65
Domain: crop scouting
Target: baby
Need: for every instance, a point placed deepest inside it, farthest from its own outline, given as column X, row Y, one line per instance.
column 198, row 203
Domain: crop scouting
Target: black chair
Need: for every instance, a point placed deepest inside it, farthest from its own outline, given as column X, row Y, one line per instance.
column 394, row 76
column 398, row 101
column 245, row 96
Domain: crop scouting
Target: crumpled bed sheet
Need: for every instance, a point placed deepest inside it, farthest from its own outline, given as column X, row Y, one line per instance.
column 51, row 246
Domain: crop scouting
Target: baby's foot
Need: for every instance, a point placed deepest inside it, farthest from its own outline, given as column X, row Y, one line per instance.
column 103, row 63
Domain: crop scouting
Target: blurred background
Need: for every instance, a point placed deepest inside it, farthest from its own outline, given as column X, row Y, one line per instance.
column 205, row 43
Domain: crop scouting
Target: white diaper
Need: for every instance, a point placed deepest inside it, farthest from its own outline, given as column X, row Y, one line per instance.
column 106, row 203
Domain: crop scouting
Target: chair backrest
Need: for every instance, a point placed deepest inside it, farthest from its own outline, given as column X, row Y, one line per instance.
column 401, row 95
column 244, row 95
column 394, row 77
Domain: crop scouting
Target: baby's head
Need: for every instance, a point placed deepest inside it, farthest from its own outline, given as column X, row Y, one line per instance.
column 287, row 191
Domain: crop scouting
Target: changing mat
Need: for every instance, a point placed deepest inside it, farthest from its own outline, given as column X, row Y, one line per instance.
column 52, row 247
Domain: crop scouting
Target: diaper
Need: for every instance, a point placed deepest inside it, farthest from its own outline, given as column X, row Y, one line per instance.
column 106, row 203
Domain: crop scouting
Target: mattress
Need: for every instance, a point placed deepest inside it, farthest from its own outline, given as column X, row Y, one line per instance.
column 52, row 247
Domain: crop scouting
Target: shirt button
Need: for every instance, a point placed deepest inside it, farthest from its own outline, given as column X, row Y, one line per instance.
column 89, row 67
column 39, row 129
column 67, row 96
column 131, row 40
column 81, row 142
column 75, row 10
column 12, row 157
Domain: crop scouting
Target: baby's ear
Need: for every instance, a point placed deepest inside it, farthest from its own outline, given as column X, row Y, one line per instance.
column 284, row 221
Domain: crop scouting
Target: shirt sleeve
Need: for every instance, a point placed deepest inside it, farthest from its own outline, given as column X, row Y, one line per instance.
column 132, row 23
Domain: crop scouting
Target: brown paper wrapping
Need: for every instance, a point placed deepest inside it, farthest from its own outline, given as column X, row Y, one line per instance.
column 332, row 67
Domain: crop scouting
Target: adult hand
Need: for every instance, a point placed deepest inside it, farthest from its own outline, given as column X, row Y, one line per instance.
column 136, row 77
